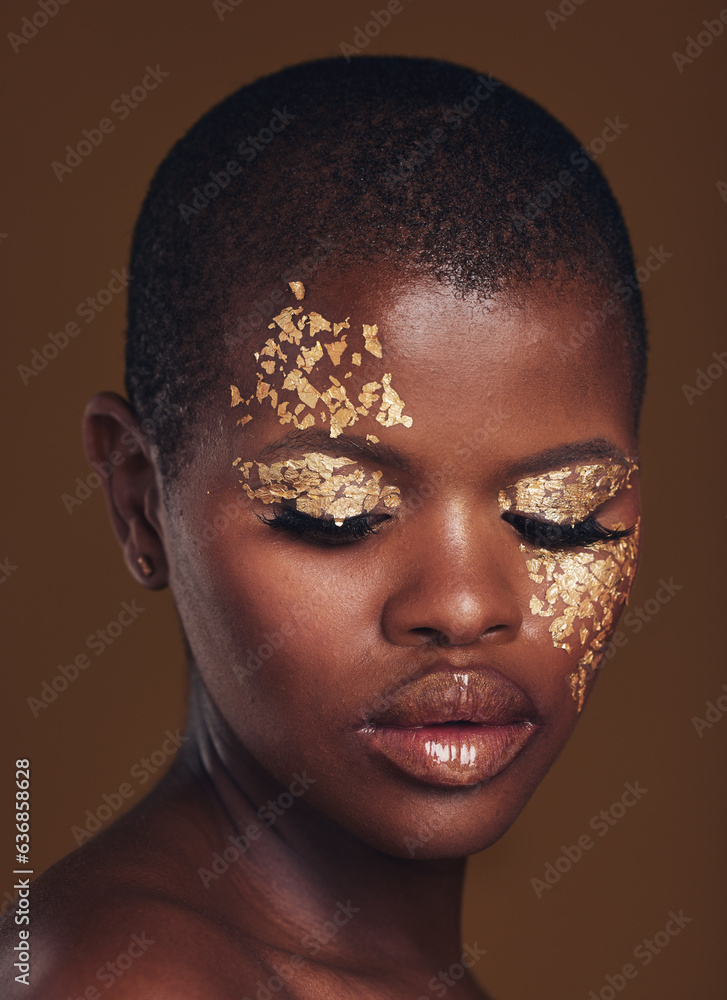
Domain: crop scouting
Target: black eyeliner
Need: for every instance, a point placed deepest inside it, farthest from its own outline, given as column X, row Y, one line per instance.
column 548, row 534
column 321, row 529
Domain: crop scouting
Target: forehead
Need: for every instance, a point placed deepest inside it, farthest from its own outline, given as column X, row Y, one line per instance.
column 531, row 367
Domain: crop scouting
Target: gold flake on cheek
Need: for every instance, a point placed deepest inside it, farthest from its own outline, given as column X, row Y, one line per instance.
column 318, row 487
column 275, row 380
column 581, row 591
column 587, row 593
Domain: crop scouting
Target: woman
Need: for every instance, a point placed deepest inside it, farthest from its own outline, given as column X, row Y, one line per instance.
column 384, row 367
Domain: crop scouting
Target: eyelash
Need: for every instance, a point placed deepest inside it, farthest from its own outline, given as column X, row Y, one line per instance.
column 324, row 530
column 548, row 535
column 542, row 534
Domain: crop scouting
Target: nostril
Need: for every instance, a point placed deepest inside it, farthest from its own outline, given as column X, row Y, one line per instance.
column 445, row 640
column 426, row 633
column 494, row 629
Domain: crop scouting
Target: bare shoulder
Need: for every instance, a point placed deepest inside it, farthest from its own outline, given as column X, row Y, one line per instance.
column 132, row 946
column 123, row 912
column 89, row 933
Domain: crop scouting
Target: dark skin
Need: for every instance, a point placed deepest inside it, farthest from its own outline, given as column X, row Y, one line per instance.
column 443, row 577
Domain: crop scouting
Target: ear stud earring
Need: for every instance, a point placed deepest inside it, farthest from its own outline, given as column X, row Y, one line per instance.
column 145, row 565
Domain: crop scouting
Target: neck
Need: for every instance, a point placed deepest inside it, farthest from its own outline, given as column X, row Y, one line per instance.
column 302, row 882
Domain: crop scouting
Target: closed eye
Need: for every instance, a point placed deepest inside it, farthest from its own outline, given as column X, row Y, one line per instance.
column 549, row 535
column 323, row 530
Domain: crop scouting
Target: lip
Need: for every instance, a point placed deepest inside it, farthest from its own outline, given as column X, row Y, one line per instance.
column 453, row 727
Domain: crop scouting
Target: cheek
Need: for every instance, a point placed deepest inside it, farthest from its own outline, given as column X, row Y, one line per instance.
column 581, row 594
column 287, row 660
column 275, row 627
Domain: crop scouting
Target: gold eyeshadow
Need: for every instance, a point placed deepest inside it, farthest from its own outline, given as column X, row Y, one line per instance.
column 582, row 592
column 297, row 392
column 567, row 495
column 318, row 487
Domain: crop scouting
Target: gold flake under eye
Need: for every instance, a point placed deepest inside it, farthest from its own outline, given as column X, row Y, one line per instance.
column 318, row 487
column 581, row 591
column 334, row 402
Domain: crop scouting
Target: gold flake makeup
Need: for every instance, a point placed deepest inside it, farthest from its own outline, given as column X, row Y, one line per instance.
column 581, row 590
column 318, row 486
column 568, row 495
column 287, row 379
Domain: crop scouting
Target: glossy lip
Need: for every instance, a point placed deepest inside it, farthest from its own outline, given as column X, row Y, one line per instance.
column 452, row 727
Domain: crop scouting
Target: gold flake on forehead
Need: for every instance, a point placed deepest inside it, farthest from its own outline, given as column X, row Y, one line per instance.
column 567, row 495
column 391, row 406
column 288, row 330
column 336, row 349
column 316, row 323
column 332, row 401
column 318, row 487
column 309, row 356
column 367, row 397
column 372, row 343
column 308, row 394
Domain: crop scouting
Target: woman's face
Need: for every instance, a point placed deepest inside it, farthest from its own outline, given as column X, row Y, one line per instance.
column 363, row 574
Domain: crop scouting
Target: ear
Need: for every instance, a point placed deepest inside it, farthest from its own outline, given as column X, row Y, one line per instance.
column 114, row 441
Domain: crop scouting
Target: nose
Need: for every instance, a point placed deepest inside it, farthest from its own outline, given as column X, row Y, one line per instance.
column 453, row 587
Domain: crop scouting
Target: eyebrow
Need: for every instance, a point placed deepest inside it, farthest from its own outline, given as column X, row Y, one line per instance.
column 565, row 454
column 354, row 446
column 347, row 445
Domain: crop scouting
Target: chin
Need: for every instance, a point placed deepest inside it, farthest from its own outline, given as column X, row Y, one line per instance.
column 442, row 823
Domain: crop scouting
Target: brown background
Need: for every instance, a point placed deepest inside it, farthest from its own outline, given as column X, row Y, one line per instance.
column 63, row 238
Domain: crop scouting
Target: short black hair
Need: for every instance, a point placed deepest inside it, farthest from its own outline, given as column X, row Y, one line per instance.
column 415, row 162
